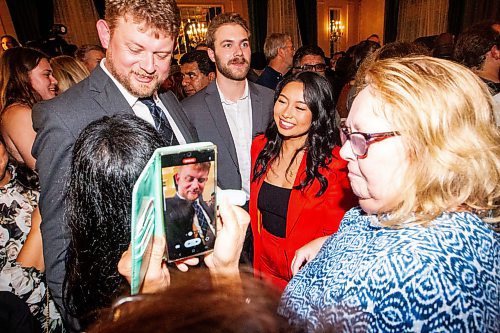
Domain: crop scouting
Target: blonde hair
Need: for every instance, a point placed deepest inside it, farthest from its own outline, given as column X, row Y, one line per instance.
column 68, row 71
column 444, row 114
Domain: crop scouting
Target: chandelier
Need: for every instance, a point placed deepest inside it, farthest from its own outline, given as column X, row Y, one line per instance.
column 336, row 30
column 196, row 32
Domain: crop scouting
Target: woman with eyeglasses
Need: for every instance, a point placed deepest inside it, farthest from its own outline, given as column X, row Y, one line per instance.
column 299, row 189
column 420, row 253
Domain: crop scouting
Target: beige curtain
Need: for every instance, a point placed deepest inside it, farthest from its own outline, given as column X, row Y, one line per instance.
column 418, row 18
column 80, row 18
column 282, row 17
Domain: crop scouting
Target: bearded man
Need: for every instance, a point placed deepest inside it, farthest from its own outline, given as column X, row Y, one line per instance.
column 139, row 37
column 230, row 111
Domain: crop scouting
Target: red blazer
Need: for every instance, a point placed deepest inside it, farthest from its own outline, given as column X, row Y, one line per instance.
column 308, row 216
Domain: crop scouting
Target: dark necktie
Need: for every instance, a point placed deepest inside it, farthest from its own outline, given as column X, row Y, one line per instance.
column 202, row 220
column 161, row 122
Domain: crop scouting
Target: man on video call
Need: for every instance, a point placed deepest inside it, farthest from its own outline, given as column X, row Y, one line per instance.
column 188, row 215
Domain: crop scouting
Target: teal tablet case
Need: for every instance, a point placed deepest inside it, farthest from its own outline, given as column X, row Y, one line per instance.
column 147, row 210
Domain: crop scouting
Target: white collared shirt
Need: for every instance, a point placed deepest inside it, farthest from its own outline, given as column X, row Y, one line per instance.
column 140, row 109
column 239, row 118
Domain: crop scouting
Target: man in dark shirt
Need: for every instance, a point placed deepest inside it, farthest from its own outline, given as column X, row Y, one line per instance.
column 478, row 48
column 278, row 49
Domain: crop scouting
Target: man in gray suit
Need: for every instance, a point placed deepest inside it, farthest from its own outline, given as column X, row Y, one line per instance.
column 139, row 37
column 230, row 111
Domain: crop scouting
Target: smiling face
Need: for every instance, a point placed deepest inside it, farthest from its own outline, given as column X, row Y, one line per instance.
column 191, row 180
column 42, row 80
column 193, row 80
column 231, row 52
column 291, row 114
column 138, row 57
column 377, row 179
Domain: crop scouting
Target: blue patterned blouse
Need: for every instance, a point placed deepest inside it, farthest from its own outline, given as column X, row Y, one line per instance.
column 368, row 278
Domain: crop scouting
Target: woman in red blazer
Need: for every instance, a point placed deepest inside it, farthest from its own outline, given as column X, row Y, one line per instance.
column 299, row 189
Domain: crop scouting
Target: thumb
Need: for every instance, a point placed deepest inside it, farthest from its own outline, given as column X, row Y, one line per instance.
column 158, row 250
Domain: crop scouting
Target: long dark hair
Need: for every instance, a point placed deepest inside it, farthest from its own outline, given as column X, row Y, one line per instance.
column 108, row 156
column 322, row 136
column 15, row 84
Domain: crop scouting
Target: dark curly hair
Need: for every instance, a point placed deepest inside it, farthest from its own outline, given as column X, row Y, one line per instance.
column 205, row 65
column 108, row 157
column 322, row 136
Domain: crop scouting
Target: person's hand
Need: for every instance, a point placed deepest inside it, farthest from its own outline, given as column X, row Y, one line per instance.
column 307, row 253
column 232, row 224
column 157, row 276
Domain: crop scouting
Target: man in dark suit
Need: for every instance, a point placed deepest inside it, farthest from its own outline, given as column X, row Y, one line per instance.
column 139, row 38
column 188, row 215
column 230, row 111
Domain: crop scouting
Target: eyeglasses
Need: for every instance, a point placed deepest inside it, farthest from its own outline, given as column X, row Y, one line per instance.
column 312, row 68
column 361, row 141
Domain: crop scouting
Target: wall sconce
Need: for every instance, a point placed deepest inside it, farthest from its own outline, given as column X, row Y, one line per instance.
column 336, row 30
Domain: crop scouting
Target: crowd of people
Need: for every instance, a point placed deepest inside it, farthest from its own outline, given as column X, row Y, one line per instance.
column 372, row 181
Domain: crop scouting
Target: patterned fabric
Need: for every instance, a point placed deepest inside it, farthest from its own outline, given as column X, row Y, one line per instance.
column 368, row 278
column 201, row 217
column 16, row 205
column 161, row 121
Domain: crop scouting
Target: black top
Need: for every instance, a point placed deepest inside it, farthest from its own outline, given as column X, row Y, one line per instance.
column 273, row 205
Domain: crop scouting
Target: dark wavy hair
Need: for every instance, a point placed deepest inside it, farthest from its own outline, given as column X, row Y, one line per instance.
column 322, row 136
column 108, row 157
column 473, row 44
column 15, row 84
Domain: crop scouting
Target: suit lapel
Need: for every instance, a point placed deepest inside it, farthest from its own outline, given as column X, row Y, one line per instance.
column 107, row 94
column 173, row 108
column 214, row 104
column 257, row 114
column 297, row 200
